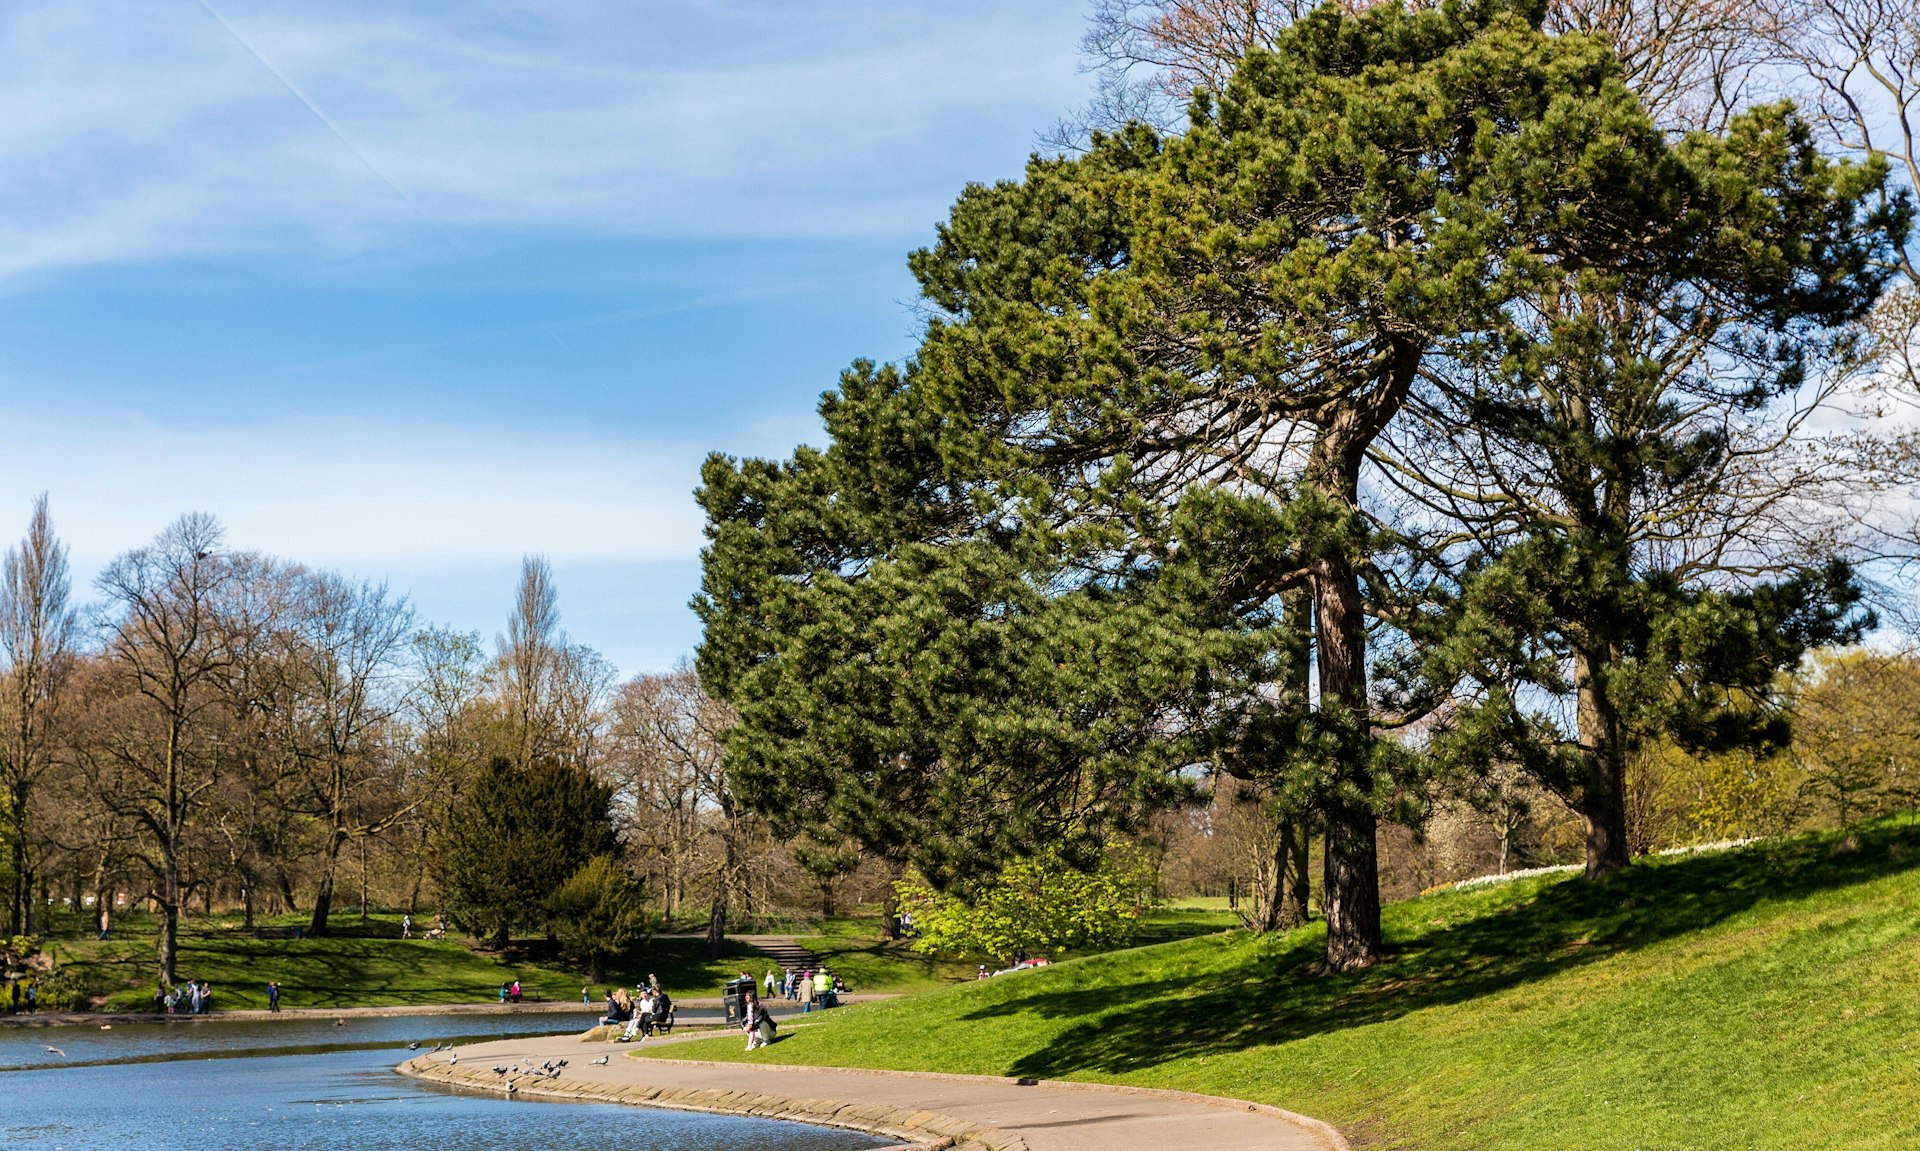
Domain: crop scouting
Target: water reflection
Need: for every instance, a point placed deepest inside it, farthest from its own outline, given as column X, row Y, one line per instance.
column 152, row 1087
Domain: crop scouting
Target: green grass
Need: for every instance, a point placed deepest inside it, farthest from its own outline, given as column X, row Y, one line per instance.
column 854, row 949
column 1766, row 998
column 363, row 965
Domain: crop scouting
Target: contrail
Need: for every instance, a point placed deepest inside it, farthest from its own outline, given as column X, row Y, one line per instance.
column 314, row 108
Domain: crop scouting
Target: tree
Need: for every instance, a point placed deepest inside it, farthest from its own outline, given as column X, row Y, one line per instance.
column 170, row 638
column 526, row 659
column 1166, row 364
column 1857, row 735
column 337, row 646
column 1690, row 61
column 1041, row 906
column 597, row 913
column 1632, row 463
column 672, row 734
column 514, row 839
column 36, row 645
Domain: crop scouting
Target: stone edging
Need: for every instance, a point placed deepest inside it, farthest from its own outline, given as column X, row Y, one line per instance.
column 1327, row 1132
column 922, row 1130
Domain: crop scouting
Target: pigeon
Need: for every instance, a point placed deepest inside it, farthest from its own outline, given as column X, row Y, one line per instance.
column 414, row 1046
column 510, row 1087
column 600, row 1061
column 56, row 1051
column 499, row 1070
column 453, row 1059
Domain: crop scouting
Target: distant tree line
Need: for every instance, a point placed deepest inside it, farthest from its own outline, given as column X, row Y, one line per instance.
column 219, row 730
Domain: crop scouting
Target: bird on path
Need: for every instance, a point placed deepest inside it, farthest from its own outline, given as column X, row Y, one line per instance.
column 56, row 1051
column 600, row 1061
column 453, row 1059
column 510, row 1087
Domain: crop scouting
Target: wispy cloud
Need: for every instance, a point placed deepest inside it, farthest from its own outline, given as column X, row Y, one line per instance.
column 137, row 131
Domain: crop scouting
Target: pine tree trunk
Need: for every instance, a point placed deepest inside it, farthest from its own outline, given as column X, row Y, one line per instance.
column 1299, row 881
column 1350, row 887
column 1603, row 787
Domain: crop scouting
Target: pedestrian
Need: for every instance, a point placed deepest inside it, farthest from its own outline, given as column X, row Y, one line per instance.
column 755, row 1021
column 586, row 997
column 33, row 998
column 406, row 926
column 105, row 919
column 516, row 991
column 273, row 997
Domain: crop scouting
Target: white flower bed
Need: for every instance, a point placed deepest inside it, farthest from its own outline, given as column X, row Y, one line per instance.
column 1483, row 880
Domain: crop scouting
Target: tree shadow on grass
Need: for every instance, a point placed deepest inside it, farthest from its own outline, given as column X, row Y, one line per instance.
column 1277, row 994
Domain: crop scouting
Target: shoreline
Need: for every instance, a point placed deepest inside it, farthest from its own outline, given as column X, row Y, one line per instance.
column 547, row 1007
column 925, row 1111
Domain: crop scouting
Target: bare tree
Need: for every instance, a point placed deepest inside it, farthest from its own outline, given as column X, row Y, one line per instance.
column 167, row 644
column 672, row 731
column 36, row 643
column 656, row 792
column 528, row 653
column 338, row 648
column 1691, row 61
column 447, row 723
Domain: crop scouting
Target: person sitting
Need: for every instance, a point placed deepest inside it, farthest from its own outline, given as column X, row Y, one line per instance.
column 645, row 1016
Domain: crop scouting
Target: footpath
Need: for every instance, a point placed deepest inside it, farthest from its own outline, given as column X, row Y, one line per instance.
column 921, row 1111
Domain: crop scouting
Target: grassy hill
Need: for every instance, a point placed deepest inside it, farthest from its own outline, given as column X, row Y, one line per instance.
column 1762, row 998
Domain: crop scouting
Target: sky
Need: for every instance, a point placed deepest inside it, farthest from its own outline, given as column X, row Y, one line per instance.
column 412, row 290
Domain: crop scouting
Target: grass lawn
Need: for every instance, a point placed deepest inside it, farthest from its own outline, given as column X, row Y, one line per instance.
column 1765, row 998
column 363, row 964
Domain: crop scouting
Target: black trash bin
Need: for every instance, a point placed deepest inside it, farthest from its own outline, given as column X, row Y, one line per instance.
column 736, row 998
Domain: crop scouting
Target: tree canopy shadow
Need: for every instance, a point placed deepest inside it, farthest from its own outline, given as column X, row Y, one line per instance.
column 1279, row 993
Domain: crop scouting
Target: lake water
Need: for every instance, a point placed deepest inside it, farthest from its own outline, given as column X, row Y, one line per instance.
column 205, row 1085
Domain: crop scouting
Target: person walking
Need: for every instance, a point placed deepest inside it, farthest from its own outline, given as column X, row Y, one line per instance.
column 273, row 997
column 406, row 926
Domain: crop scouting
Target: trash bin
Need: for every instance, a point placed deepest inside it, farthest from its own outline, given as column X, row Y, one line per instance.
column 736, row 999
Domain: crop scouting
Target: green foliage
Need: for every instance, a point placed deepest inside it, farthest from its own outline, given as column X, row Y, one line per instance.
column 598, row 913
column 516, row 835
column 1041, row 906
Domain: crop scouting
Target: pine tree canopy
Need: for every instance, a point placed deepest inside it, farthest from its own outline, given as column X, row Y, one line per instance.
column 1139, row 507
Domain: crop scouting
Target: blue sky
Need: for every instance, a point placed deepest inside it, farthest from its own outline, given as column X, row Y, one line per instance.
column 413, row 289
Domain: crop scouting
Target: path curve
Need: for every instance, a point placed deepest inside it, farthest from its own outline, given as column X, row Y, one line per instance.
column 961, row 1112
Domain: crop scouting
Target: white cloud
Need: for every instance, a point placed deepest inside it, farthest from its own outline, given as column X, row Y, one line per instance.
column 360, row 498
column 133, row 130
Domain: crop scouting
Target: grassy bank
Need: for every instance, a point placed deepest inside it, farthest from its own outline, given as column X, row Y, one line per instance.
column 1765, row 998
column 364, row 964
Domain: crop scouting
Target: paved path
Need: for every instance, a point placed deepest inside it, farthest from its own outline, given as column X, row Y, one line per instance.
column 962, row 1112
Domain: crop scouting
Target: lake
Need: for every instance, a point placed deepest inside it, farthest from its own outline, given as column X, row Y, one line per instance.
column 301, row 1082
